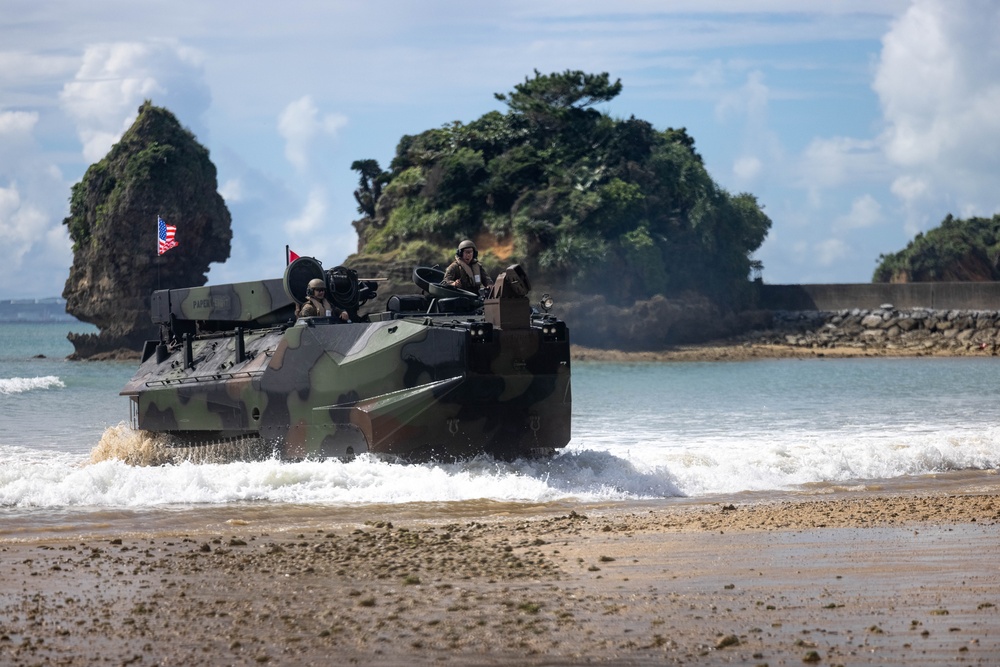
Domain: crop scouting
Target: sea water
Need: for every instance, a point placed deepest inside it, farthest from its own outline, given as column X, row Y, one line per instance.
column 642, row 432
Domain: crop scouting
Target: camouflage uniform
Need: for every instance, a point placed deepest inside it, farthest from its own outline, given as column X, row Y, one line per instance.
column 456, row 271
column 314, row 307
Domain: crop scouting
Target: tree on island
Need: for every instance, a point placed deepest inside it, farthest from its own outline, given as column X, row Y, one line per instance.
column 581, row 199
column 957, row 250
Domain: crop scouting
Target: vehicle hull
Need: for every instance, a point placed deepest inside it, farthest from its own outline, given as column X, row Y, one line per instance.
column 409, row 387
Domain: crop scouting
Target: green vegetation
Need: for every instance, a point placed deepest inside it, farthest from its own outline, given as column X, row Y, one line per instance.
column 578, row 197
column 956, row 250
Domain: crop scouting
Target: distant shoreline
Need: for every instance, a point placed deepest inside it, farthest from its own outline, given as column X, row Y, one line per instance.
column 743, row 351
column 35, row 311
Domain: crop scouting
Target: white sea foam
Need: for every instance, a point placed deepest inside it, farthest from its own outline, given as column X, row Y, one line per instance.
column 31, row 478
column 763, row 461
column 10, row 386
column 113, row 483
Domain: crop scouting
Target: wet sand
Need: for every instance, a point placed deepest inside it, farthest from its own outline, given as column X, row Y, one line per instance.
column 843, row 577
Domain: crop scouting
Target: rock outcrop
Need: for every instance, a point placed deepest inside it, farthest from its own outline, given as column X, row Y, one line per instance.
column 156, row 169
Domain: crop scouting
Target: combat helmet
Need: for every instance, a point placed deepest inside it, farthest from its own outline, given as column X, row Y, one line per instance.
column 315, row 284
column 467, row 244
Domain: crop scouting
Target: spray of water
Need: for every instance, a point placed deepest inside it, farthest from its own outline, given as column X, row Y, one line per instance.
column 142, row 448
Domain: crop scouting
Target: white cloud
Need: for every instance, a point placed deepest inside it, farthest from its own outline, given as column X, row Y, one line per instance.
column 312, row 218
column 22, row 66
column 232, row 190
column 300, row 124
column 22, row 225
column 829, row 252
column 865, row 212
column 17, row 142
column 314, row 233
column 910, row 188
column 939, row 90
column 709, row 75
column 10, row 203
column 116, row 78
column 16, row 125
column 759, row 148
column 831, row 162
column 26, row 78
column 747, row 167
column 33, row 239
column 750, row 100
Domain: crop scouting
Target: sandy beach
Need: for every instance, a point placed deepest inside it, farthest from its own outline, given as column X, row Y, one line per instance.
column 870, row 577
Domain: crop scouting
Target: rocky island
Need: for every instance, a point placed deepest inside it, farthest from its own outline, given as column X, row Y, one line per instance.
column 157, row 169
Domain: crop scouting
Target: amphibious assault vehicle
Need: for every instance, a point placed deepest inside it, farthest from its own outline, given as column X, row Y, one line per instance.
column 440, row 374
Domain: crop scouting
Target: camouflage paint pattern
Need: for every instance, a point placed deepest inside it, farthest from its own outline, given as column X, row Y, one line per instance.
column 405, row 384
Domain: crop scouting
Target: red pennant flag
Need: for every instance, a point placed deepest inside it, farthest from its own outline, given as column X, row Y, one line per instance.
column 290, row 256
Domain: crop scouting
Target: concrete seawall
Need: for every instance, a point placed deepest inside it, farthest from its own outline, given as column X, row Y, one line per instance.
column 905, row 296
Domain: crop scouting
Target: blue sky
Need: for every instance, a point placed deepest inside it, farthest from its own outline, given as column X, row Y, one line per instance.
column 855, row 123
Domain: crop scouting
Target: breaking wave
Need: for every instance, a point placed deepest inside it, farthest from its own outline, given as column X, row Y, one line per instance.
column 10, row 386
column 133, row 469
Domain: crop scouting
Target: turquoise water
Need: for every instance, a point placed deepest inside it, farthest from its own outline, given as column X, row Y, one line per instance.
column 49, row 403
column 22, row 341
column 773, row 424
column 641, row 432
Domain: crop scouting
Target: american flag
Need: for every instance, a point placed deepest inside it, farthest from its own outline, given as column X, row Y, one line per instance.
column 164, row 236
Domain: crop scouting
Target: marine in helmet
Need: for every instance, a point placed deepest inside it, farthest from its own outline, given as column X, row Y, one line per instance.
column 466, row 272
column 316, row 303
